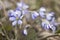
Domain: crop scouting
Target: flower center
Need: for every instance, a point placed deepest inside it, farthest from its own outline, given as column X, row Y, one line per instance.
column 17, row 18
column 22, row 8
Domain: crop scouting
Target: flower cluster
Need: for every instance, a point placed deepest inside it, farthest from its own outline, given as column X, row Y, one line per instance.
column 15, row 16
column 49, row 22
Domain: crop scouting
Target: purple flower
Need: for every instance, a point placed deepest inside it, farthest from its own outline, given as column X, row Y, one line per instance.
column 53, row 28
column 42, row 11
column 45, row 25
column 48, row 26
column 15, row 17
column 25, row 32
column 34, row 15
column 22, row 7
column 50, row 16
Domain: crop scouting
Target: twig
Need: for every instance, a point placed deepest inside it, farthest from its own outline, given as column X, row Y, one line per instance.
column 13, row 1
column 3, row 8
column 4, row 31
column 50, row 36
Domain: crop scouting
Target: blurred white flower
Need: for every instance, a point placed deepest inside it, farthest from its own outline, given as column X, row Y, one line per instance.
column 22, row 7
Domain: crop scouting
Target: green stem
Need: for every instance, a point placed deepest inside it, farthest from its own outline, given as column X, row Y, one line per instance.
column 17, row 32
column 16, row 37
